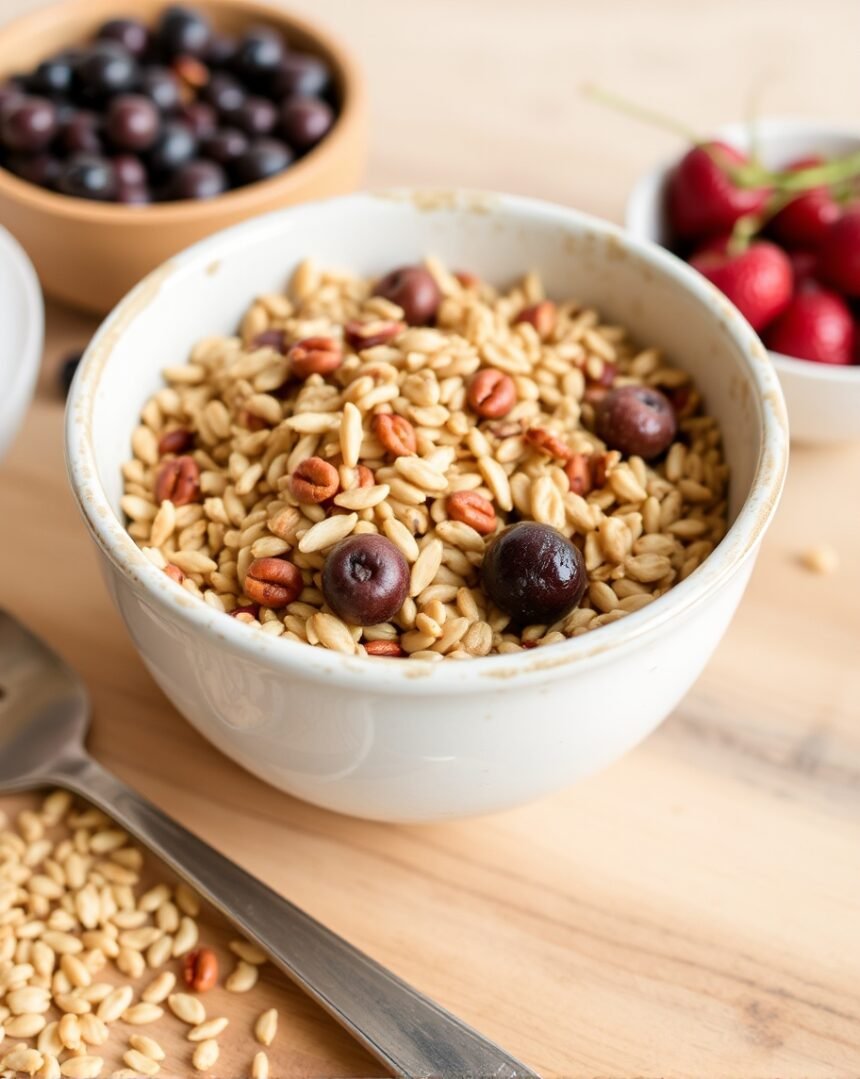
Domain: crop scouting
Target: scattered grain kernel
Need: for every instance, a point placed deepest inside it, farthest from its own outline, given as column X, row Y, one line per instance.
column 146, row 1045
column 160, row 988
column 821, row 559
column 83, row 1067
column 140, row 1063
column 210, row 1029
column 142, row 1013
column 112, row 1007
column 243, row 978
column 250, row 953
column 205, row 1056
column 187, row 1008
column 266, row 1027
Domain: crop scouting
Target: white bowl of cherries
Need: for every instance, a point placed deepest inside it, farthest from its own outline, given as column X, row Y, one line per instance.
column 770, row 213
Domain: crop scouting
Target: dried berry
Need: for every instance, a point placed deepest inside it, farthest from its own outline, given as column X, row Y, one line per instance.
column 365, row 580
column 414, row 289
column 534, row 573
column 636, row 420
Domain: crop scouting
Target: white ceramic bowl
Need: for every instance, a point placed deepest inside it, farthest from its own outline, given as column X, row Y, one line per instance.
column 823, row 401
column 22, row 318
column 403, row 739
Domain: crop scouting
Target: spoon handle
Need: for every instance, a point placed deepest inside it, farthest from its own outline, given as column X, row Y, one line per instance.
column 404, row 1030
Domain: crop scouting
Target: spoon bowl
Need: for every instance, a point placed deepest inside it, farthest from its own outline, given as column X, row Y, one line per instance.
column 44, row 709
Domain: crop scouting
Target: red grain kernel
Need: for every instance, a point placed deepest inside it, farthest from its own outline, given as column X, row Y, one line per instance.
column 200, row 969
column 548, row 443
column 273, row 582
column 472, row 509
column 178, row 440
column 579, row 474
column 542, row 316
column 315, row 356
column 178, row 481
column 396, row 434
column 314, row 480
column 366, row 477
column 361, row 335
column 383, row 648
column 492, row 393
column 252, row 609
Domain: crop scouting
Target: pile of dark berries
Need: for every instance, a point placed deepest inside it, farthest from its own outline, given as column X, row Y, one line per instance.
column 154, row 114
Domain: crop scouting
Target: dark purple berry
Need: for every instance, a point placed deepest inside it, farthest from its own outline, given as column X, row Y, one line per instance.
column 132, row 34
column 129, row 170
column 414, row 289
column 304, row 121
column 175, row 148
column 221, row 51
column 133, row 194
column 160, row 84
column 264, row 158
column 365, row 580
column 106, row 68
column 260, row 52
column 133, row 122
column 224, row 92
column 299, row 74
column 81, row 132
column 28, row 123
column 198, row 180
column 9, row 91
column 182, row 30
column 200, row 117
column 255, row 116
column 42, row 169
column 533, row 573
column 225, row 145
column 88, row 176
column 636, row 420
column 53, row 77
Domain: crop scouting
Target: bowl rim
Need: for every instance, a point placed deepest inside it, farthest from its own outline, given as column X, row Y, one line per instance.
column 23, row 374
column 300, row 173
column 405, row 675
column 647, row 189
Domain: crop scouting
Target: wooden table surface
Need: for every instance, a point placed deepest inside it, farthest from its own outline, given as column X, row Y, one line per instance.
column 694, row 910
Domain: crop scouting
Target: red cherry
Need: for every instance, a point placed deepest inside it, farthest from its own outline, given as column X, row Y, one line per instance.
column 839, row 254
column 804, row 221
column 805, row 266
column 702, row 200
column 758, row 281
column 817, row 325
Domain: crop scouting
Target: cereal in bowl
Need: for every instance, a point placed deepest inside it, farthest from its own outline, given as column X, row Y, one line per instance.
column 422, row 465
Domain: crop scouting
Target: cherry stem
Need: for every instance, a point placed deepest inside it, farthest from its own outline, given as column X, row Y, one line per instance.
column 640, row 112
column 751, row 174
column 792, row 182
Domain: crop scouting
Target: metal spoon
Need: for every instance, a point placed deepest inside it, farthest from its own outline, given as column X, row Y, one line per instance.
column 44, row 716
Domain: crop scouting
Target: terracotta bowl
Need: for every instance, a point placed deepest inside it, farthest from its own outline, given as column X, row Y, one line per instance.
column 89, row 254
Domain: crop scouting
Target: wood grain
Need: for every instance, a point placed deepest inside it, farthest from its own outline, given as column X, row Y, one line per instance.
column 695, row 910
